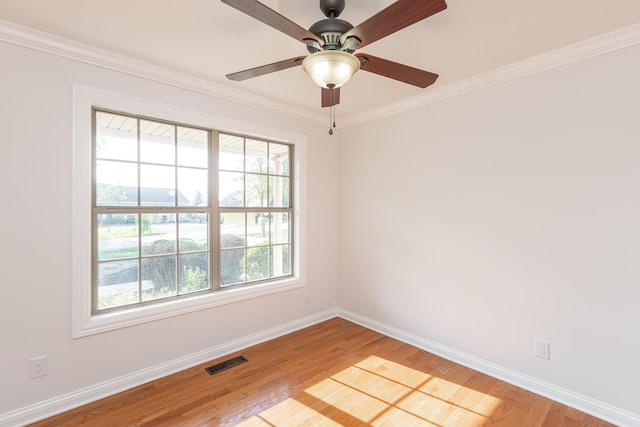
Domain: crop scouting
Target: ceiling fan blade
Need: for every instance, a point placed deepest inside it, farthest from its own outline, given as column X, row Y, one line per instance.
column 397, row 16
column 400, row 72
column 330, row 97
column 272, row 18
column 265, row 69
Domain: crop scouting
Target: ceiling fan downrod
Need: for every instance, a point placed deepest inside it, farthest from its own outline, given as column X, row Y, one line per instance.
column 332, row 8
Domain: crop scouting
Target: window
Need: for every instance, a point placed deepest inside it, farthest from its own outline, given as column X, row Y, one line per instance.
column 180, row 210
column 259, row 272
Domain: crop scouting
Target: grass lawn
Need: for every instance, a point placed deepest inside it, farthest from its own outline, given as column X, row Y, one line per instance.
column 122, row 231
column 118, row 254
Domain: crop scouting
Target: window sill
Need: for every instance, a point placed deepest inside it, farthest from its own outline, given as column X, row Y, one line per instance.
column 90, row 325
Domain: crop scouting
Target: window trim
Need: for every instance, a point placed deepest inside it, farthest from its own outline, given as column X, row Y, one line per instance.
column 86, row 324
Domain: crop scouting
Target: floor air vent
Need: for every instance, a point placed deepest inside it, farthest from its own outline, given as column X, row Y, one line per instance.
column 219, row 367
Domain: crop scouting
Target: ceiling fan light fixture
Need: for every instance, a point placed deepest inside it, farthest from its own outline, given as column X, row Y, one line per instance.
column 331, row 68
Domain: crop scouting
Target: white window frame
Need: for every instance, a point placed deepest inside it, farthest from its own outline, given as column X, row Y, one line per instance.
column 83, row 322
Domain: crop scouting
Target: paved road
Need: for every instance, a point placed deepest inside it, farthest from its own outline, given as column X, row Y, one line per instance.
column 194, row 231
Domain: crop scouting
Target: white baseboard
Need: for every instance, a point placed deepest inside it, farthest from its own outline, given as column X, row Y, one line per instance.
column 50, row 407
column 585, row 404
column 56, row 405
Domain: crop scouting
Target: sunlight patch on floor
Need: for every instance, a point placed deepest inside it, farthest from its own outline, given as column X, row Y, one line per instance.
column 289, row 413
column 381, row 393
column 347, row 399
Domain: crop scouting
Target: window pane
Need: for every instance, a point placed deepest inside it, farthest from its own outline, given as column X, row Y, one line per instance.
column 256, row 156
column 193, row 147
column 116, row 183
column 194, row 233
column 157, row 186
column 231, row 189
column 231, row 156
column 193, row 184
column 117, row 236
column 232, row 230
column 157, row 143
column 202, row 218
column 257, row 263
column 279, row 159
column 116, row 137
column 257, row 194
column 158, row 234
column 160, row 273
column 280, row 260
column 231, row 266
column 117, row 283
column 279, row 191
column 258, row 234
column 280, row 228
column 194, row 272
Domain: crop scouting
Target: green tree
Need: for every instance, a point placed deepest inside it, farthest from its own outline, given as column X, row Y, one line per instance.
column 146, row 224
column 111, row 196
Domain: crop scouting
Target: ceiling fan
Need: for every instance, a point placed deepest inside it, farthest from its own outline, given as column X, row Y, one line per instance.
column 331, row 43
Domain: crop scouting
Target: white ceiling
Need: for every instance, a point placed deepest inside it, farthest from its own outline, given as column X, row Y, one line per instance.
column 208, row 39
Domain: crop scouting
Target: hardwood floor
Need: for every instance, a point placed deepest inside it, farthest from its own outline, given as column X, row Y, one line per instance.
column 334, row 373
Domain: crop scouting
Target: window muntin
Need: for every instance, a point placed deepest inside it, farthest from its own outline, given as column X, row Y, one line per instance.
column 152, row 193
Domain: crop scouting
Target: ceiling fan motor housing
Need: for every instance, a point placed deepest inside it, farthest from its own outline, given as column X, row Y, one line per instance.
column 329, row 30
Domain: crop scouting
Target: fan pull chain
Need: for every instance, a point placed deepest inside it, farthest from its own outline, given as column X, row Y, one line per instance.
column 332, row 119
column 332, row 109
column 334, row 115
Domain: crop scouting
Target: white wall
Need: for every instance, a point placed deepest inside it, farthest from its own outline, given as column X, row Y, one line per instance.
column 35, row 234
column 511, row 213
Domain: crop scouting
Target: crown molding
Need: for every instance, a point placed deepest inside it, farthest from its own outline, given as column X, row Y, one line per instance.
column 44, row 42
column 33, row 39
column 596, row 46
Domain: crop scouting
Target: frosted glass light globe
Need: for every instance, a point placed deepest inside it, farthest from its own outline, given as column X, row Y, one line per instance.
column 331, row 67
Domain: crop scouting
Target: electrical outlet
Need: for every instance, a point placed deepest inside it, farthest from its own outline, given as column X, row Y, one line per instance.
column 38, row 367
column 542, row 349
column 307, row 297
